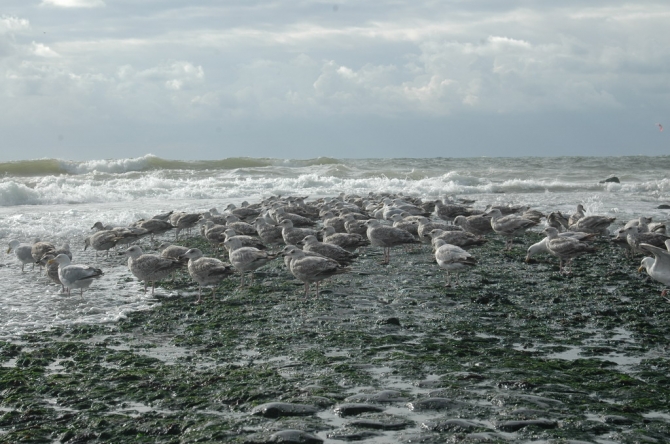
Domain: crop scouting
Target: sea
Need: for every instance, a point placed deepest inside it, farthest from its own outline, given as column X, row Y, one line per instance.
column 60, row 200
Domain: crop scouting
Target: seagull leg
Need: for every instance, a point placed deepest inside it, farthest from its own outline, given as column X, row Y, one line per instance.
column 317, row 289
column 306, row 288
column 448, row 279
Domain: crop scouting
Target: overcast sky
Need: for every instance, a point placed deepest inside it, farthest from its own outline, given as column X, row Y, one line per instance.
column 206, row 79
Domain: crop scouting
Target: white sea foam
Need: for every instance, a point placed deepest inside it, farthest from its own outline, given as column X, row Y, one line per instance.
column 108, row 165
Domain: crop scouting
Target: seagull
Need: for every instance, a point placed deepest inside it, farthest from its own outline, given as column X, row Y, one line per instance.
column 246, row 258
column 150, row 267
column 592, row 224
column 509, row 226
column 577, row 215
column 541, row 247
column 335, row 252
column 479, row 224
column 463, row 239
column 292, row 235
column 206, row 271
column 75, row 275
column 52, row 270
column 657, row 268
column 387, row 237
column 102, row 241
column 39, row 249
column 635, row 239
column 311, row 268
column 22, row 252
column 348, row 241
column 565, row 248
column 269, row 234
column 557, row 220
column 452, row 258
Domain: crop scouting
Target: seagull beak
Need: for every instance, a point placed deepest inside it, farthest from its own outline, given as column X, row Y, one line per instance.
column 641, row 270
column 9, row 250
column 51, row 261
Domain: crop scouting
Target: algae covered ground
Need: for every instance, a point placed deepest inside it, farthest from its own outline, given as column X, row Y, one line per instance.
column 516, row 353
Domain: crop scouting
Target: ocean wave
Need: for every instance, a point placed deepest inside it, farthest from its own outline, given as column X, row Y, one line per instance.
column 149, row 162
column 13, row 193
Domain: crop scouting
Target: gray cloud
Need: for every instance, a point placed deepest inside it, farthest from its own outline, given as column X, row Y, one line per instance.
column 156, row 66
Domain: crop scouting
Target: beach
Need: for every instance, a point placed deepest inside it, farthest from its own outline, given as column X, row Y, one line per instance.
column 517, row 353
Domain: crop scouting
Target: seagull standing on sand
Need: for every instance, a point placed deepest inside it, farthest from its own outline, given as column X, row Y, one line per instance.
column 452, row 258
column 206, row 271
column 387, row 237
column 565, row 248
column 335, row 252
column 658, row 267
column 292, row 235
column 509, row 226
column 311, row 268
column 348, row 241
column 246, row 259
column 150, row 267
column 541, row 247
column 479, row 224
column 592, row 224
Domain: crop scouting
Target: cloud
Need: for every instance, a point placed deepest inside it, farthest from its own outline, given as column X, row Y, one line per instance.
column 9, row 24
column 205, row 60
column 74, row 3
column 41, row 50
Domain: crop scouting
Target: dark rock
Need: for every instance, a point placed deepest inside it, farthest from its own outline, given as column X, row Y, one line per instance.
column 663, row 207
column 513, row 426
column 612, row 179
column 379, row 425
column 434, row 404
column 346, row 435
column 279, row 409
column 295, row 437
column 356, row 409
column 389, row 321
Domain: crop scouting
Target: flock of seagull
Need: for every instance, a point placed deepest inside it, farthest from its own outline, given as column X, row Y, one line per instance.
column 319, row 239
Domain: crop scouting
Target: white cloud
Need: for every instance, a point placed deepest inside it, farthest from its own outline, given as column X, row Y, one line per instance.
column 41, row 50
column 12, row 24
column 74, row 3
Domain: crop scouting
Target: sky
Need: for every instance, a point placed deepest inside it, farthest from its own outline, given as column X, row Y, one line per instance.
column 211, row 79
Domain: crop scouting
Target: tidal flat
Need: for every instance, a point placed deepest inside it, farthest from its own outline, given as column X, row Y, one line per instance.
column 516, row 353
